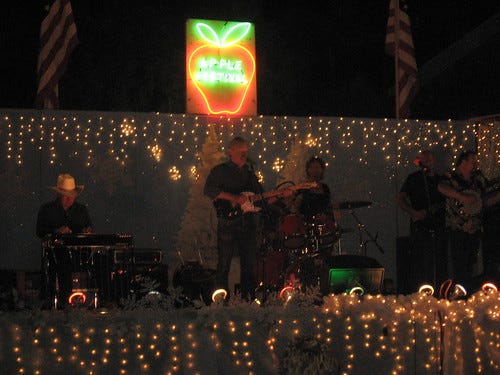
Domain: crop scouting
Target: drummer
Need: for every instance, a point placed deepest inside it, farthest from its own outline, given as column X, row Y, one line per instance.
column 316, row 206
column 316, row 203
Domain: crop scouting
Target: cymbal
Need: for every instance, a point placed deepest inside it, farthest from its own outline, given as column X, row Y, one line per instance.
column 347, row 205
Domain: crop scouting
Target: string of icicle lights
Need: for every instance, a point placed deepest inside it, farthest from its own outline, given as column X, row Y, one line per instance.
column 176, row 139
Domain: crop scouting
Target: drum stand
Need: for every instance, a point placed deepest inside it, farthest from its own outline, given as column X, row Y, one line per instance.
column 362, row 229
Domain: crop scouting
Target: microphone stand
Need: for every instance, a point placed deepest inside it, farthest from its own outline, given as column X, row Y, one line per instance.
column 362, row 228
column 432, row 223
column 263, row 247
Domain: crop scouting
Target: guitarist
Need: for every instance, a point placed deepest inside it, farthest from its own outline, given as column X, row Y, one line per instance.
column 465, row 200
column 237, row 232
column 420, row 199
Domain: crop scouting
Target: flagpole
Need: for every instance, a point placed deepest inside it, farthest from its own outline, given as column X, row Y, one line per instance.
column 396, row 55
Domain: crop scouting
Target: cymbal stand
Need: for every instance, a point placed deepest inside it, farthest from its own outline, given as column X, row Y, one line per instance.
column 339, row 245
column 362, row 229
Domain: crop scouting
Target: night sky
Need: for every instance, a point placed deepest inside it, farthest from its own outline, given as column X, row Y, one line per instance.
column 315, row 58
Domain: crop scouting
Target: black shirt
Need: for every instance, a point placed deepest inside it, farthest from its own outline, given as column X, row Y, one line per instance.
column 228, row 177
column 415, row 187
column 52, row 216
column 315, row 203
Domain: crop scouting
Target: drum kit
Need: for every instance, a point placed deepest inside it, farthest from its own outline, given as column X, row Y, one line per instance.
column 299, row 245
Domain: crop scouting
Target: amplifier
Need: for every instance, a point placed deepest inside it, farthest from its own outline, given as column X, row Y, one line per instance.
column 138, row 256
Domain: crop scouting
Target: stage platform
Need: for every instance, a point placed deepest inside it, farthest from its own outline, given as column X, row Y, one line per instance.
column 341, row 334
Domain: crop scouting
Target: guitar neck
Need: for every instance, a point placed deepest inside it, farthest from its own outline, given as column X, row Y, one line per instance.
column 259, row 197
column 274, row 193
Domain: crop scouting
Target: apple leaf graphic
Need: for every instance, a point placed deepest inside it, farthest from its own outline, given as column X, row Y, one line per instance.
column 237, row 32
column 207, row 33
column 232, row 36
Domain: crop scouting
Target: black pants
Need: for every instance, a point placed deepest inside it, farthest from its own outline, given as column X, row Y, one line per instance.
column 239, row 235
column 464, row 248
column 428, row 258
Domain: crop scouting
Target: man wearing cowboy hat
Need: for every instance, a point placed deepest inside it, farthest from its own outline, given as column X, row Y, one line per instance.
column 61, row 216
column 64, row 215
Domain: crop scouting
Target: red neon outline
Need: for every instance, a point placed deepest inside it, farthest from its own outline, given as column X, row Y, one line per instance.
column 209, row 107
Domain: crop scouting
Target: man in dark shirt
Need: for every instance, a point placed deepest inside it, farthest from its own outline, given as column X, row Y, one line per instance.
column 316, row 201
column 420, row 199
column 61, row 216
column 238, row 222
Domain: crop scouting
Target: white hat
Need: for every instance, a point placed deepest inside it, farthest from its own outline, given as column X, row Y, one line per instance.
column 66, row 186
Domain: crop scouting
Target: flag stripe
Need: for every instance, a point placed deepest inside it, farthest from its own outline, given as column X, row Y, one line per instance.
column 401, row 39
column 58, row 38
column 52, row 30
column 56, row 61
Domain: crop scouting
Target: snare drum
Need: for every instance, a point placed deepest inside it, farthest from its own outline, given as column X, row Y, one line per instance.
column 292, row 231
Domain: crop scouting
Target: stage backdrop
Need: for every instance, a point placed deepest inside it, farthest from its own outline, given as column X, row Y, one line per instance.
column 139, row 170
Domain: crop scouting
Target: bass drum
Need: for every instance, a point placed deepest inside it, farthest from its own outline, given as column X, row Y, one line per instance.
column 270, row 268
column 292, row 231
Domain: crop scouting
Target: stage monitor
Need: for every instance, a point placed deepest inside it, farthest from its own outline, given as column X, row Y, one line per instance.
column 350, row 271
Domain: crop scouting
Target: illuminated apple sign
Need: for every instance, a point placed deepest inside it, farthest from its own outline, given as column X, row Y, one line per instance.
column 220, row 68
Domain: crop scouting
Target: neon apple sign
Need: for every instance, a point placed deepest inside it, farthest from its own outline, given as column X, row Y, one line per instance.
column 222, row 70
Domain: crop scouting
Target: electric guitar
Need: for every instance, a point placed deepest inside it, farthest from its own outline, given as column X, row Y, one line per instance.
column 251, row 198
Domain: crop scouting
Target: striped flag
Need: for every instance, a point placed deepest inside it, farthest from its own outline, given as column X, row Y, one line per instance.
column 57, row 40
column 399, row 43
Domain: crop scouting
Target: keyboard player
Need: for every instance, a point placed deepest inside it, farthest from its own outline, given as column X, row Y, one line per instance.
column 61, row 216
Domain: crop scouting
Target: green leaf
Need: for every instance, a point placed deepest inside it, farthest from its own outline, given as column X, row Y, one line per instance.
column 208, row 34
column 235, row 34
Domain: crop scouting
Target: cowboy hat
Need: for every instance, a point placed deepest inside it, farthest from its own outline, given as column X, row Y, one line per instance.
column 66, row 186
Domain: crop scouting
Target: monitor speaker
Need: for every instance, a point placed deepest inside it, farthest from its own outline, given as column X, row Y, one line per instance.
column 138, row 280
column 197, row 282
column 349, row 271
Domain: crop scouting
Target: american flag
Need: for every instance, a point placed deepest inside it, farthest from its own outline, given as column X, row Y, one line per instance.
column 57, row 40
column 399, row 42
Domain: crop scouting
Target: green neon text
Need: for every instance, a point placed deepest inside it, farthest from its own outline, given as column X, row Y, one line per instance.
column 211, row 70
